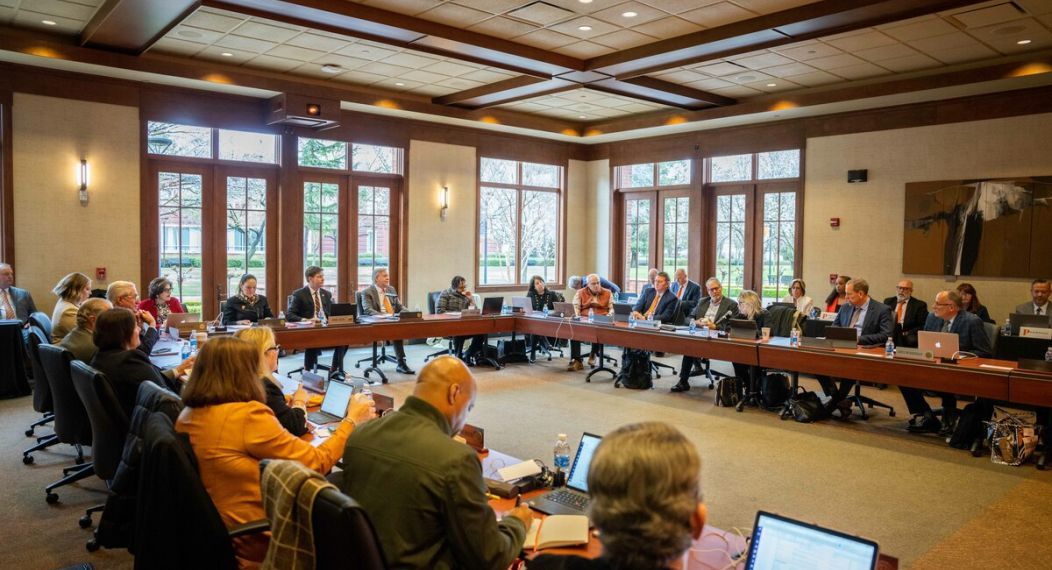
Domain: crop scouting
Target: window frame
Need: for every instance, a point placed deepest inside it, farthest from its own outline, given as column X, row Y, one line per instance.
column 521, row 189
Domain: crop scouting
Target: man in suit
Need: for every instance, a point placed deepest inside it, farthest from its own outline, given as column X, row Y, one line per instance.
column 577, row 283
column 382, row 299
column 308, row 303
column 712, row 311
column 910, row 314
column 657, row 302
column 1039, row 291
column 874, row 322
column 651, row 276
column 126, row 295
column 948, row 315
column 687, row 291
column 80, row 340
column 15, row 303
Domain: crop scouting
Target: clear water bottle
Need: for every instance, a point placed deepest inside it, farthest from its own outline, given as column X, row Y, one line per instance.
column 193, row 344
column 562, row 457
column 281, row 314
column 631, row 321
column 185, row 351
column 705, row 330
column 794, row 338
column 889, row 348
column 546, row 311
column 322, row 318
column 1048, row 354
column 1007, row 329
column 692, row 327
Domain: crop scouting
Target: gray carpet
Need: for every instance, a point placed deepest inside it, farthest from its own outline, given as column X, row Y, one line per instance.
column 927, row 504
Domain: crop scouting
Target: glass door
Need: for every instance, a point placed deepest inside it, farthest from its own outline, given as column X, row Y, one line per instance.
column 732, row 241
column 183, row 214
column 249, row 232
column 639, row 239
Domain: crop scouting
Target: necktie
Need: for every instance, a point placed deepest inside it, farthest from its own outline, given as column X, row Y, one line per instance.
column 854, row 316
column 898, row 312
column 679, row 294
column 946, row 326
column 387, row 305
column 1037, row 311
column 650, row 311
column 9, row 311
column 317, row 304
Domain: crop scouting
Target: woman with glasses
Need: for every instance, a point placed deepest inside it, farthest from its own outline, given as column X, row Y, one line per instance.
column 797, row 296
column 247, row 306
column 292, row 417
column 160, row 303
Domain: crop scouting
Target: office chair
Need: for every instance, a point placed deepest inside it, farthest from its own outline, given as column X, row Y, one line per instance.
column 109, row 425
column 41, row 321
column 318, row 365
column 71, row 420
column 42, row 400
column 379, row 348
column 432, row 309
column 677, row 318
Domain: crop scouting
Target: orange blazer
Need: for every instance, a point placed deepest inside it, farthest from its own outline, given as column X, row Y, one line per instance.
column 229, row 440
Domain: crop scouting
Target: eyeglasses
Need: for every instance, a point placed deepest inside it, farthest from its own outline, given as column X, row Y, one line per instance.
column 275, row 348
column 943, row 304
column 166, row 290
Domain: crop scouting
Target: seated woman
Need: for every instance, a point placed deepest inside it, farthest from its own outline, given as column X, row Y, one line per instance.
column 294, row 417
column 541, row 298
column 838, row 296
column 749, row 308
column 72, row 290
column 971, row 303
column 160, row 302
column 797, row 296
column 117, row 338
column 231, row 430
column 246, row 307
column 645, row 487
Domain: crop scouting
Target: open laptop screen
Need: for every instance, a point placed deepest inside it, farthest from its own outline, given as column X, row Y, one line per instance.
column 579, row 471
column 779, row 542
column 336, row 398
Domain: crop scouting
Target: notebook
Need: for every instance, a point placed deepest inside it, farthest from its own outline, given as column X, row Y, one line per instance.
column 572, row 499
column 781, row 543
column 334, row 406
column 556, row 531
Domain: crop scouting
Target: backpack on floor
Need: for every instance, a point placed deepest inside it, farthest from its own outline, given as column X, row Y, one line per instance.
column 728, row 392
column 807, row 407
column 774, row 390
column 635, row 370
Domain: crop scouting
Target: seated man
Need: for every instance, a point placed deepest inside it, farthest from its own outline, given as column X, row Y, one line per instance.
column 947, row 316
column 576, row 282
column 15, row 303
column 910, row 314
column 651, row 276
column 713, row 311
column 382, row 299
column 687, row 291
column 645, row 488
column 1038, row 305
column 310, row 302
column 592, row 300
column 424, row 492
column 874, row 323
column 80, row 341
column 125, row 294
column 456, row 299
column 657, row 302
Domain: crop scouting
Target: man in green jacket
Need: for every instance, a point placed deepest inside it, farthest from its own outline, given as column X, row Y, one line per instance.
column 424, row 491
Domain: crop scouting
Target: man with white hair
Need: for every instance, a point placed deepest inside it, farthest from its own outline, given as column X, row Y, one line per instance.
column 125, row 294
column 15, row 303
column 591, row 300
column 577, row 282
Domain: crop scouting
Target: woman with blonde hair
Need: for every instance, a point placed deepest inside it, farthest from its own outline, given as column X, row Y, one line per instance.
column 797, row 296
column 71, row 290
column 231, row 429
column 294, row 417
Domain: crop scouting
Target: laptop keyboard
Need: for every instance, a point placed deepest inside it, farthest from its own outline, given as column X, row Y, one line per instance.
column 569, row 498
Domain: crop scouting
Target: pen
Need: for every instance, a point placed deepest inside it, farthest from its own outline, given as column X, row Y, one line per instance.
column 518, row 500
column 491, row 496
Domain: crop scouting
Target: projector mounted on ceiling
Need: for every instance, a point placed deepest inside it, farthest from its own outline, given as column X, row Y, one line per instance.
column 302, row 111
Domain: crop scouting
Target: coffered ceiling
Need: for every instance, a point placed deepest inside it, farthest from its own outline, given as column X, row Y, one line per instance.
column 576, row 68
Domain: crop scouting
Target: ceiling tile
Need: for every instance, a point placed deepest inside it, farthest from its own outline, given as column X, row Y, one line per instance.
column 772, row 85
column 721, row 69
column 815, row 78
column 492, row 6
column 545, row 39
column 678, row 6
column 1036, row 6
column 578, row 7
column 366, row 51
column 885, row 52
column 717, row 15
column 865, row 40
column 643, row 12
column 487, row 76
column 424, row 76
column 196, row 35
column 450, row 68
column 245, row 44
column 268, row 32
column 760, row 61
column 502, row 27
column 860, row 71
column 737, row 91
column 7, row 14
column 215, row 53
column 668, row 28
column 709, row 84
column 458, row 83
column 789, row 70
column 411, row 7
column 963, row 54
column 988, row 15
column 623, row 39
column 771, row 6
column 909, row 63
column 432, row 90
column 834, row 61
column 318, row 42
column 406, row 85
column 680, row 76
column 808, row 51
column 210, row 20
column 954, row 40
column 411, row 60
column 359, row 77
column 585, row 95
column 315, row 70
column 342, row 61
column 273, row 63
column 455, row 15
column 747, row 77
column 570, row 27
column 1028, row 28
column 917, row 28
column 637, row 108
column 541, row 13
column 384, row 69
column 176, row 46
column 1039, row 38
column 584, row 50
column 69, row 10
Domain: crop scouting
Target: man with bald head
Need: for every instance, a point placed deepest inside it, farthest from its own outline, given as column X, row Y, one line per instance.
column 909, row 313
column 424, row 491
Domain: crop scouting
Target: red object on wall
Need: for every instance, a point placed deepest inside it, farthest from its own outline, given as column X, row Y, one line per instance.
column 832, row 278
column 834, row 222
column 100, row 273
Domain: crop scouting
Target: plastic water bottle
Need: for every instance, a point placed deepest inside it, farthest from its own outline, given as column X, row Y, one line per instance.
column 193, row 344
column 889, row 348
column 185, row 351
column 281, row 314
column 794, row 338
column 692, row 327
column 1007, row 329
column 562, row 455
column 705, row 330
column 1048, row 354
column 322, row 318
column 546, row 312
column 631, row 321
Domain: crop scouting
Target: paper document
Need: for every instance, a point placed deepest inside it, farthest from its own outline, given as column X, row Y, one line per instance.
column 557, row 530
column 519, row 470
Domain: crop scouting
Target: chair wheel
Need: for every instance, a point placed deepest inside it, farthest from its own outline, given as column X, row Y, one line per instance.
column 29, row 432
column 891, row 413
column 85, row 521
column 79, row 461
column 92, row 545
column 27, row 459
column 51, row 498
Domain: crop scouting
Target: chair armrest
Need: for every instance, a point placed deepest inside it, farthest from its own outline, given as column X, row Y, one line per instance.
column 254, row 527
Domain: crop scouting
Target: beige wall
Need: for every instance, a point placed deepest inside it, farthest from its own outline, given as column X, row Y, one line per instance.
column 599, row 215
column 54, row 234
column 869, row 241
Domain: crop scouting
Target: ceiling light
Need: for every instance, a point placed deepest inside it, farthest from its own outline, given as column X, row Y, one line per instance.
column 772, row 85
column 48, row 22
column 399, row 84
column 585, row 1
column 227, row 54
column 331, row 68
column 1023, row 42
column 746, row 78
column 585, row 28
column 629, row 14
column 582, row 117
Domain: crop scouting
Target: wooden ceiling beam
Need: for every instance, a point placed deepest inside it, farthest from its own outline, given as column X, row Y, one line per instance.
column 506, row 91
column 652, row 86
column 132, row 26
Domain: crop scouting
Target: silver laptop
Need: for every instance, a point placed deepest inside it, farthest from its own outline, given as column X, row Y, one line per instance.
column 562, row 309
column 175, row 319
column 940, row 344
column 572, row 499
column 524, row 303
column 334, row 406
column 781, row 543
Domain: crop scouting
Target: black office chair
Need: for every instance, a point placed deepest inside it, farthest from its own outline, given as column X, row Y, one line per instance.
column 14, row 376
column 109, row 425
column 432, row 309
column 41, row 321
column 42, row 400
column 379, row 355
column 318, row 366
column 655, row 366
column 71, row 420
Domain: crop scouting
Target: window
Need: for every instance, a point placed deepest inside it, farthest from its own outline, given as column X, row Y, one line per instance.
column 321, row 217
column 519, row 213
column 374, row 232
column 779, row 164
column 671, row 173
column 319, row 153
column 730, row 168
column 248, row 147
column 730, row 243
column 637, row 242
column 170, row 139
column 779, row 243
column 246, row 231
column 180, row 209
column 378, row 159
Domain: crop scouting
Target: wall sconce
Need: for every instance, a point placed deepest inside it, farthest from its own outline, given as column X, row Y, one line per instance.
column 82, row 179
column 444, row 210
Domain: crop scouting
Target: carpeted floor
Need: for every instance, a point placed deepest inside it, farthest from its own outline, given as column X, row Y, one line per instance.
column 929, row 505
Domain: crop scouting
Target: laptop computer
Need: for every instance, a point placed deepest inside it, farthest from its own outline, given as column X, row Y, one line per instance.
column 176, row 319
column 334, row 406
column 524, row 303
column 622, row 311
column 492, row 305
column 941, row 344
column 342, row 309
column 572, row 499
column 842, row 337
column 743, row 329
column 1035, row 365
column 1021, row 320
column 780, row 542
column 562, row 309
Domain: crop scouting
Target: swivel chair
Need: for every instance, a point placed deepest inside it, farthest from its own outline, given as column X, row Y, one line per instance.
column 109, row 425
column 432, row 309
column 14, row 370
column 42, row 400
column 71, row 420
column 655, row 366
column 41, row 321
column 318, row 366
column 379, row 355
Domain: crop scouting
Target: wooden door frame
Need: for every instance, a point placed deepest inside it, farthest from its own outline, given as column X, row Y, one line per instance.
column 343, row 235
column 712, row 192
column 773, row 187
column 270, row 175
column 394, row 256
column 632, row 194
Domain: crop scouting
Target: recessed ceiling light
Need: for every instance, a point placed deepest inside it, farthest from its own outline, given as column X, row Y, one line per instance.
column 772, row 85
column 331, row 68
column 582, row 117
column 48, row 22
column 1023, row 42
column 585, row 1
column 746, row 78
column 629, row 14
column 227, row 54
column 399, row 83
column 585, row 28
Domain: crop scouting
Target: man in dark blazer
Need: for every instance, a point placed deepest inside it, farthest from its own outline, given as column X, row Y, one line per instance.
column 909, row 313
column 305, row 304
column 874, row 323
column 15, row 303
column 1039, row 305
column 714, row 311
column 125, row 294
column 651, row 276
column 382, row 299
column 687, row 291
column 948, row 315
column 657, row 302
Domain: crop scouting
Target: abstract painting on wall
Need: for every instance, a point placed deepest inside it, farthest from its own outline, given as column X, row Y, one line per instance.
column 991, row 228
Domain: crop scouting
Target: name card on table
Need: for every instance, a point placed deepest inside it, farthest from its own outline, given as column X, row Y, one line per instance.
column 1035, row 332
